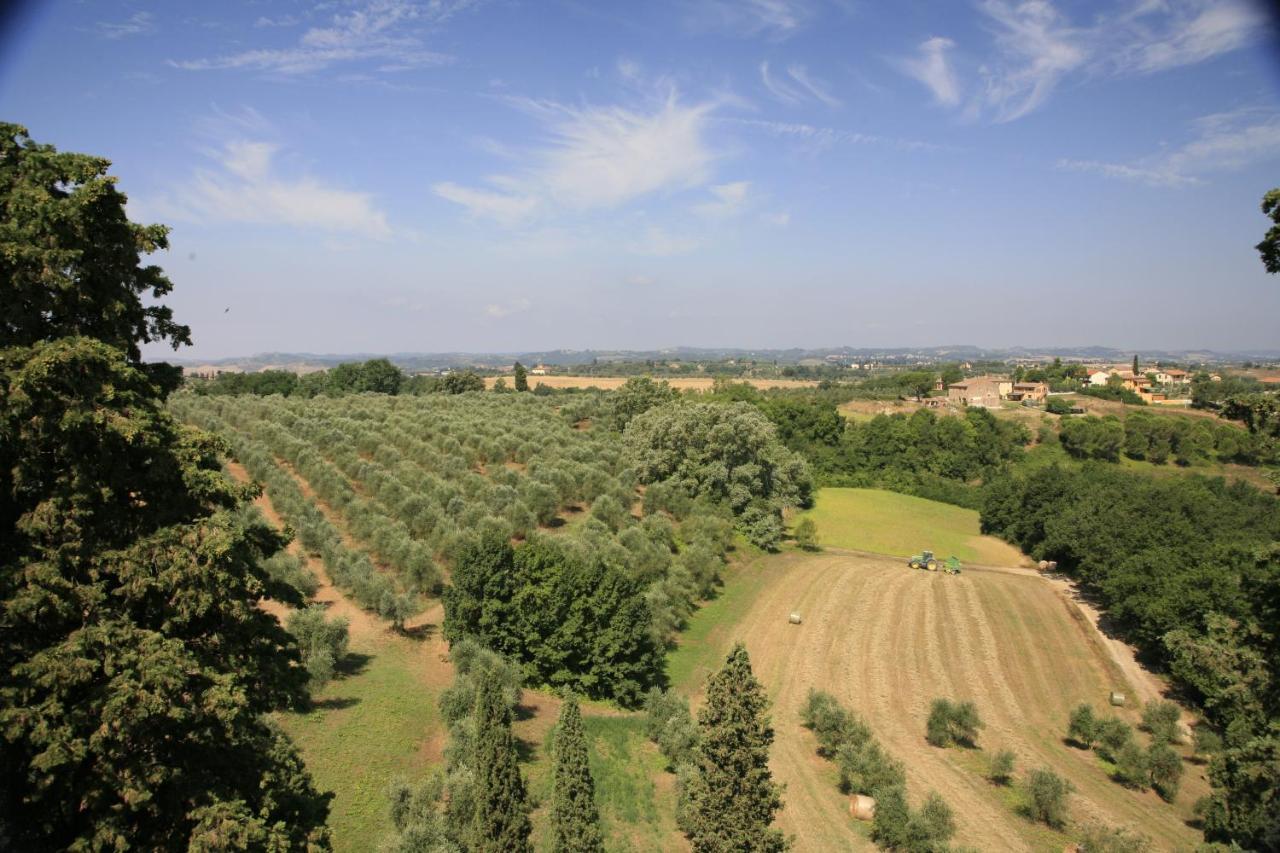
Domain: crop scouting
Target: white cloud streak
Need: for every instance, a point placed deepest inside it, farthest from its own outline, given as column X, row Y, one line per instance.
column 770, row 18
column 798, row 87
column 1195, row 31
column 1221, row 142
column 598, row 158
column 727, row 200
column 1035, row 46
column 244, row 188
column 933, row 68
column 509, row 210
column 139, row 23
column 387, row 33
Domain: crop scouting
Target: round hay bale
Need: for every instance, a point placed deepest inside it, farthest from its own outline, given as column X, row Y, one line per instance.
column 1053, row 565
column 862, row 807
column 1043, row 565
column 794, row 619
column 1117, row 698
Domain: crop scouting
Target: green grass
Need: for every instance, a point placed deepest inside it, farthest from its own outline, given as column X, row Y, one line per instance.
column 702, row 646
column 902, row 525
column 635, row 813
column 366, row 730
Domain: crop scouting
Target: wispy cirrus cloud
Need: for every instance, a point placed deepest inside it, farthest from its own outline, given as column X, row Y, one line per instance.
column 139, row 23
column 824, row 137
column 1190, row 32
column 1219, row 142
column 388, row 34
column 797, row 86
column 1035, row 46
column 506, row 208
column 597, row 158
column 932, row 67
column 726, row 200
column 771, row 18
column 244, row 186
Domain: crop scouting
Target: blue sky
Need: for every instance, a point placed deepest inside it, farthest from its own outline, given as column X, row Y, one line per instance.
column 390, row 175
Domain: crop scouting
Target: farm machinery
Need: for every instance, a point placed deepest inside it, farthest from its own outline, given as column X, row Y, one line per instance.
column 930, row 563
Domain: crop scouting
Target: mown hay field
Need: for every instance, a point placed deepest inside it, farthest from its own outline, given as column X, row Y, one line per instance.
column 886, row 641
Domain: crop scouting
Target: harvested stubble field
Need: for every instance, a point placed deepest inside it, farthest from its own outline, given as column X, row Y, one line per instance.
column 680, row 383
column 886, row 641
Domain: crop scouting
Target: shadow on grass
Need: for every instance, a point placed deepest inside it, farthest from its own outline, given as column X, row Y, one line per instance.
column 422, row 632
column 336, row 703
column 352, row 664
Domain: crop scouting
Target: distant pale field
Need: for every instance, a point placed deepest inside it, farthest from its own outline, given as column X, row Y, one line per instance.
column 684, row 383
column 901, row 525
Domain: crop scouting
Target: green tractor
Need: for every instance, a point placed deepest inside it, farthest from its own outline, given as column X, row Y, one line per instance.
column 930, row 563
column 925, row 561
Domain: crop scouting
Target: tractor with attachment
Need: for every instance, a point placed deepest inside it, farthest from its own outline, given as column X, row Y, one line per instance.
column 928, row 562
column 924, row 560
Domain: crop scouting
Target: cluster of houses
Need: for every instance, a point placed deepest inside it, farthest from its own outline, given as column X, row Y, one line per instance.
column 990, row 391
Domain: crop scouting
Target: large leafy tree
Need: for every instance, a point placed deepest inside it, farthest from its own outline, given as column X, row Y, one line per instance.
column 136, row 670
column 727, row 453
column 569, row 619
column 573, row 810
column 733, row 798
column 501, row 805
column 1269, row 248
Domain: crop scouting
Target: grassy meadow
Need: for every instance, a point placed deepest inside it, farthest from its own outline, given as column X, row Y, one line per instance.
column 901, row 525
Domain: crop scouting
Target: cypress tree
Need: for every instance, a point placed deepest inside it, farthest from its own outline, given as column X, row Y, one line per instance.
column 521, row 377
column 734, row 800
column 573, row 812
column 501, row 808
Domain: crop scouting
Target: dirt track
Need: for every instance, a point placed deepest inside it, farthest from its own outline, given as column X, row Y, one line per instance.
column 887, row 641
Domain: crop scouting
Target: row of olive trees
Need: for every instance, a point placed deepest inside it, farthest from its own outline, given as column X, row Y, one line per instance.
column 866, row 768
column 414, row 482
column 349, row 569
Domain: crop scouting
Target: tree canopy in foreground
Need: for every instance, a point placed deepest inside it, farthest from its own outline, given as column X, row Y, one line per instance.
column 136, row 669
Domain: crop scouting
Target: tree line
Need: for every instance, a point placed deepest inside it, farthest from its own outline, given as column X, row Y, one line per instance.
column 1189, row 569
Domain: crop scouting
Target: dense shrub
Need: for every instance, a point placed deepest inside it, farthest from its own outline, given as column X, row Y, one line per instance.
column 1160, row 720
column 1083, row 726
column 323, row 642
column 669, row 724
column 1048, row 792
column 1001, row 771
column 952, row 723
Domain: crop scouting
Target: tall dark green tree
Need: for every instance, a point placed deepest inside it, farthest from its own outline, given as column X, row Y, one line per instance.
column 136, row 669
column 574, row 816
column 501, row 806
column 521, row 377
column 1269, row 248
column 734, row 799
column 71, row 258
